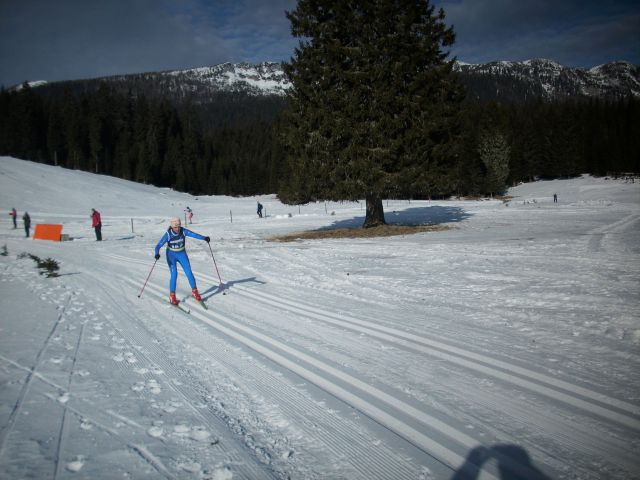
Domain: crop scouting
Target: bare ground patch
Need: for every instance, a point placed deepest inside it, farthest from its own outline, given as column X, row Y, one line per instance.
column 381, row 231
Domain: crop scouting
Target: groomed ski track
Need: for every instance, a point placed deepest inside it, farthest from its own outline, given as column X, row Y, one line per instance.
column 569, row 411
column 276, row 381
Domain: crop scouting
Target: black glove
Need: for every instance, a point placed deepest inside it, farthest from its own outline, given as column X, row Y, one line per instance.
column 157, row 256
column 207, row 239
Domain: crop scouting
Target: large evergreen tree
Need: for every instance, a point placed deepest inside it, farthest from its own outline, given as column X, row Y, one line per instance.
column 374, row 108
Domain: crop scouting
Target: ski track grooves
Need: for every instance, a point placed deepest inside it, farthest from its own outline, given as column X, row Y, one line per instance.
column 355, row 395
column 209, row 419
column 534, row 381
column 4, row 434
column 560, row 390
column 357, row 391
column 64, row 414
column 78, row 413
column 365, row 463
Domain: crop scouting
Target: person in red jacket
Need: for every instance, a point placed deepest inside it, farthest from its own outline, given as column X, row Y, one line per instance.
column 96, row 223
column 14, row 217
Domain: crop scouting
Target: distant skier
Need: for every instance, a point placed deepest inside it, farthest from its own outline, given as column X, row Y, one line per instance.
column 27, row 223
column 555, row 198
column 189, row 214
column 175, row 238
column 14, row 217
column 96, row 223
column 259, row 210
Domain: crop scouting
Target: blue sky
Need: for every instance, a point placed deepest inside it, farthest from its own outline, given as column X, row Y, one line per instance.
column 71, row 39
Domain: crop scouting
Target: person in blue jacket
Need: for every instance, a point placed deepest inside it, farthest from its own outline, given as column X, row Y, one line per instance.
column 175, row 238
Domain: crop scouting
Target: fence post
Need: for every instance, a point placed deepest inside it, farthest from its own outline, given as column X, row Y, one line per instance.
column 231, row 215
column 132, row 225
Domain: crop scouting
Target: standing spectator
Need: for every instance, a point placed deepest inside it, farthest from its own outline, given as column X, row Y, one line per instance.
column 14, row 217
column 555, row 198
column 27, row 223
column 259, row 210
column 189, row 214
column 96, row 223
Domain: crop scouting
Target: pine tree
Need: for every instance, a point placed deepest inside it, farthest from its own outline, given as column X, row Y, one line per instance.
column 374, row 108
column 55, row 135
column 494, row 152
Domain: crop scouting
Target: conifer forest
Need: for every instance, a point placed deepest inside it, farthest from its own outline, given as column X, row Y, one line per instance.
column 232, row 145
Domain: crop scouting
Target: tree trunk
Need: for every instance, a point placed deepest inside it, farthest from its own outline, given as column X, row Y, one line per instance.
column 375, row 212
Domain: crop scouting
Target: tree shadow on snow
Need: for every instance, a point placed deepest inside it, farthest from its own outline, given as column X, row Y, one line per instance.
column 434, row 215
column 216, row 289
column 512, row 463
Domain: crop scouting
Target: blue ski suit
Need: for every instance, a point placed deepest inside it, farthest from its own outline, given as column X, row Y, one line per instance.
column 176, row 253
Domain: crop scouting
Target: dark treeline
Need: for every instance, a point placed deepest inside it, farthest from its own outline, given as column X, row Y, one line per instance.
column 225, row 148
column 551, row 140
column 230, row 146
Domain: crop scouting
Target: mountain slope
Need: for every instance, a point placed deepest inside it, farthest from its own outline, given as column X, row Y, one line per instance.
column 507, row 81
column 539, row 78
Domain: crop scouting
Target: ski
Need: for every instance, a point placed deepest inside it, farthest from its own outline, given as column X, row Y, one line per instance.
column 180, row 307
column 204, row 305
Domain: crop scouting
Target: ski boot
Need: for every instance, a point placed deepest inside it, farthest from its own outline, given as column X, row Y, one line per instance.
column 172, row 298
column 196, row 295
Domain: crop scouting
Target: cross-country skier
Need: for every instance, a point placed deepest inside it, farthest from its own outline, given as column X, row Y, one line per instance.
column 175, row 238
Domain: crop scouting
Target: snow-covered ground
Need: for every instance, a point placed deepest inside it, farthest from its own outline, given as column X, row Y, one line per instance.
column 505, row 347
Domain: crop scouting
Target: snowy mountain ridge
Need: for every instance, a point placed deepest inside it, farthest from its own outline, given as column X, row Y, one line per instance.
column 514, row 81
column 265, row 78
column 551, row 81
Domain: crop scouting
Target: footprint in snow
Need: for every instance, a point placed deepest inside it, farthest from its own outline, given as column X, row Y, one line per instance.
column 199, row 434
column 76, row 464
column 137, row 387
column 167, row 407
column 191, row 467
column 153, row 387
column 155, row 431
column 223, row 473
column 287, row 454
column 194, row 433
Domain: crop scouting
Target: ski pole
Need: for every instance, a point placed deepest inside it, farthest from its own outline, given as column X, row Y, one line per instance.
column 148, row 277
column 214, row 263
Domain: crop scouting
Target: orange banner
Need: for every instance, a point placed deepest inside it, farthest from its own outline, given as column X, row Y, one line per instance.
column 45, row 231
